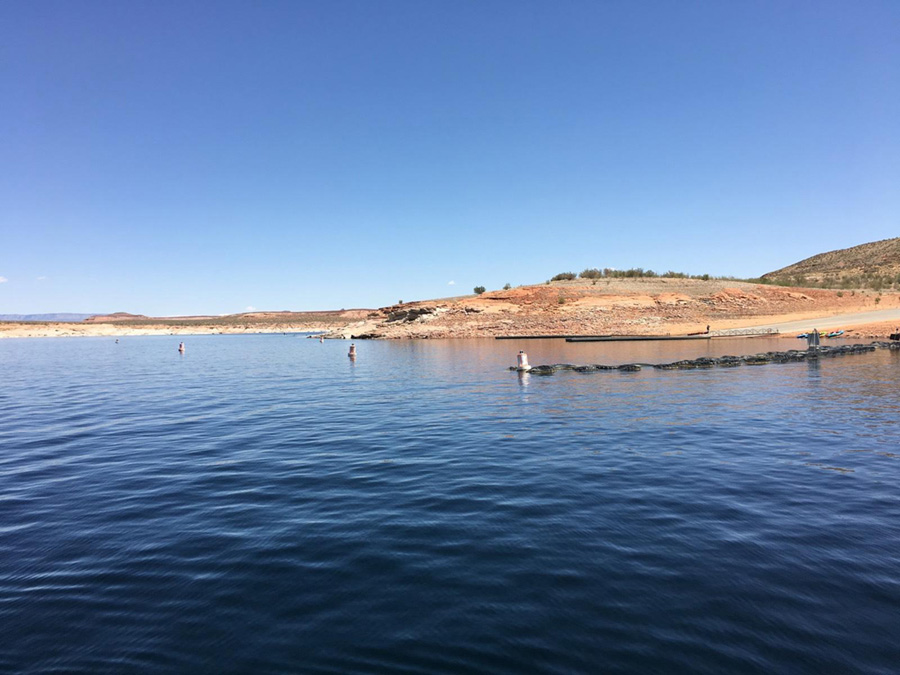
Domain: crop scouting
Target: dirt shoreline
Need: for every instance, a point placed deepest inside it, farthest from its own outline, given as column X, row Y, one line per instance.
column 630, row 307
column 32, row 330
column 126, row 325
column 579, row 307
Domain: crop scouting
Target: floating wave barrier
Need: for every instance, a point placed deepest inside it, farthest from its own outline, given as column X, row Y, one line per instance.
column 790, row 356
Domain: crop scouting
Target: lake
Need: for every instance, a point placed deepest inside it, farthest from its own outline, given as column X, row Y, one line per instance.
column 263, row 504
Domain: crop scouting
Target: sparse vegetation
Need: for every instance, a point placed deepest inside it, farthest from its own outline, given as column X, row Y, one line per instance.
column 875, row 282
column 563, row 276
column 871, row 281
column 507, row 286
column 479, row 290
column 875, row 266
column 595, row 273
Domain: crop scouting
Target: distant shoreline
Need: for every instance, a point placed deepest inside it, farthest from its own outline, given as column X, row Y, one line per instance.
column 32, row 330
column 659, row 306
column 12, row 330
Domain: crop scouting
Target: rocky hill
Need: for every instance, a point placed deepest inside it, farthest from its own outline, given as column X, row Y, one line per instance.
column 874, row 265
column 114, row 317
column 609, row 306
column 285, row 319
column 59, row 317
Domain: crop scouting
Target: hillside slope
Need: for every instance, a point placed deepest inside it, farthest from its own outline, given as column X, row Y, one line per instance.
column 873, row 265
column 614, row 306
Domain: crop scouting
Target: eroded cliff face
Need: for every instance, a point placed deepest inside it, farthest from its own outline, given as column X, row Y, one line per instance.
column 616, row 306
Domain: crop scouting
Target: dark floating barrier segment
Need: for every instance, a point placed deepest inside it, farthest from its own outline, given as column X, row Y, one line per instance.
column 790, row 356
column 543, row 337
column 637, row 338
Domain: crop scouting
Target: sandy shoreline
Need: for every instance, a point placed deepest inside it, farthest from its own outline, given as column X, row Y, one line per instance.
column 875, row 330
column 579, row 307
column 634, row 307
column 26, row 330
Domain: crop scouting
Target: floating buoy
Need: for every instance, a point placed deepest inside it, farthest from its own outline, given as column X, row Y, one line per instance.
column 812, row 340
column 181, row 348
column 352, row 352
column 522, row 361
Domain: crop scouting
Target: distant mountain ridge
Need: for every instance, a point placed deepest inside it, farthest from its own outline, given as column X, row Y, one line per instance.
column 246, row 319
column 62, row 317
column 114, row 317
column 872, row 265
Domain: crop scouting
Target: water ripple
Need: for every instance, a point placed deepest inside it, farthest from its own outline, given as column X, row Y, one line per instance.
column 262, row 505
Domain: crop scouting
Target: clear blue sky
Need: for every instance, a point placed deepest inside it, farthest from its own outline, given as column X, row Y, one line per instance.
column 185, row 157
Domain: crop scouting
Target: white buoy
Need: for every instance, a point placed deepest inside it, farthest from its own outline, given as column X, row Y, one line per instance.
column 522, row 361
column 181, row 348
column 352, row 352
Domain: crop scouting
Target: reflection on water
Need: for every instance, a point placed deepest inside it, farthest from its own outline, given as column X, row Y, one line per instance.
column 258, row 505
column 523, row 377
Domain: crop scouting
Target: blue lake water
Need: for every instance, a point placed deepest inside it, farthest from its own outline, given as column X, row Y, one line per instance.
column 263, row 504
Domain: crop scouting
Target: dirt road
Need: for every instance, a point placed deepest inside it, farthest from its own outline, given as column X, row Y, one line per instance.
column 836, row 321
